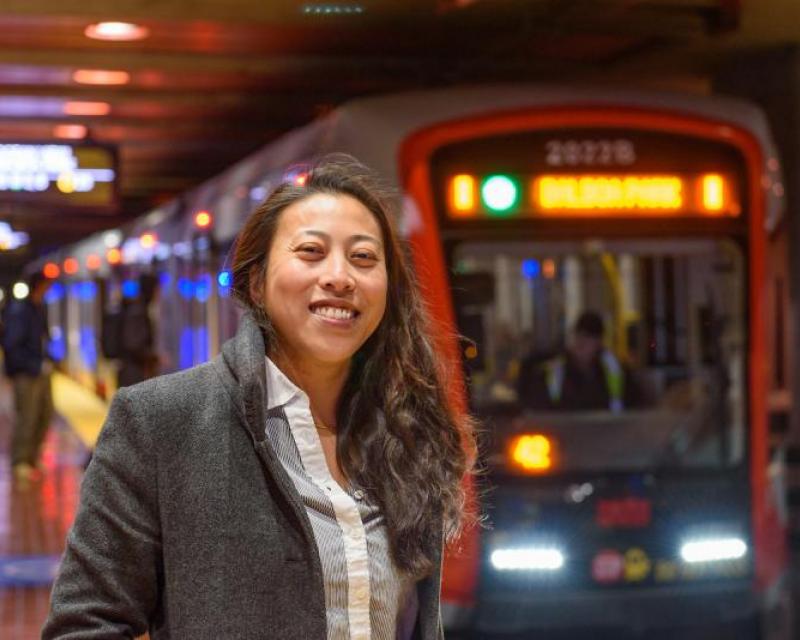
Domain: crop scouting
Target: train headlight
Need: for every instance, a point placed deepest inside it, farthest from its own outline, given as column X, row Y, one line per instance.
column 527, row 559
column 713, row 549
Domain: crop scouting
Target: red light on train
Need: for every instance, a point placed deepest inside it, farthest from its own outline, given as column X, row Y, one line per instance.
column 148, row 240
column 203, row 219
column 51, row 270
column 71, row 266
column 114, row 256
column 93, row 261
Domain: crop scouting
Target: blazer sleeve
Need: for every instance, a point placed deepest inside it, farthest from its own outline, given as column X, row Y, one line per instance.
column 108, row 583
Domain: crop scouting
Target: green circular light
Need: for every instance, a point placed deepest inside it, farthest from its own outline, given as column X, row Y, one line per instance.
column 499, row 193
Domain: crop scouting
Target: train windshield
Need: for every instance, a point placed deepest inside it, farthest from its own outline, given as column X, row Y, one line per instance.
column 626, row 354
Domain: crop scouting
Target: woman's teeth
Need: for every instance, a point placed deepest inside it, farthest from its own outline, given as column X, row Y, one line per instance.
column 335, row 313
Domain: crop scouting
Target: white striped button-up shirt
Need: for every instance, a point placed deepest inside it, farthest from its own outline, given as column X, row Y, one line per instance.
column 367, row 597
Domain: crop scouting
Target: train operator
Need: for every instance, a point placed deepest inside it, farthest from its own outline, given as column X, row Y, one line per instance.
column 302, row 483
column 587, row 376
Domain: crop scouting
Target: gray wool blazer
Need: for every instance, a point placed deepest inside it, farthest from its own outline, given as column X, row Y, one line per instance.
column 188, row 527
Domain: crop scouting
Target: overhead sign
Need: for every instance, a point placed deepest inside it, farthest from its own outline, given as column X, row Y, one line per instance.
column 81, row 175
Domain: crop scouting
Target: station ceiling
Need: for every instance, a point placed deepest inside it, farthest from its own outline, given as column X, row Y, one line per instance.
column 214, row 80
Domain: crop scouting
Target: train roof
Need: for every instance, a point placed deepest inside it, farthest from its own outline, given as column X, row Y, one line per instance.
column 372, row 129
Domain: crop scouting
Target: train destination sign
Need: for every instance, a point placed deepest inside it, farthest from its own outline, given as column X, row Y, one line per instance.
column 589, row 173
column 592, row 195
column 80, row 175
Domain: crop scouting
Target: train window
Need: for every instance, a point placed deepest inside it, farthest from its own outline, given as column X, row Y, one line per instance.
column 631, row 352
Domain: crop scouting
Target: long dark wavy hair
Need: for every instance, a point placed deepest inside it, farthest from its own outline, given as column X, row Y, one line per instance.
column 398, row 437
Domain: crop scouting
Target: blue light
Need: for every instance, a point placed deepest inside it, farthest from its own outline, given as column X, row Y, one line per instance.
column 186, row 288
column 224, row 279
column 54, row 293
column 57, row 347
column 202, row 288
column 88, row 347
column 531, row 268
column 164, row 280
column 185, row 347
column 130, row 289
column 201, row 345
column 87, row 291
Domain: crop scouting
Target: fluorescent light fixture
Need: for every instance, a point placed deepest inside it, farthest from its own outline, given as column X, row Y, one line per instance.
column 713, row 550
column 101, row 77
column 119, row 31
column 70, row 131
column 84, row 108
column 527, row 559
column 332, row 9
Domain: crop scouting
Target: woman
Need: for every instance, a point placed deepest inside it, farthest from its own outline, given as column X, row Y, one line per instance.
column 302, row 495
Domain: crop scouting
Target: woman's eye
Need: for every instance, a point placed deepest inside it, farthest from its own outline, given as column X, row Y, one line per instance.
column 365, row 255
column 310, row 249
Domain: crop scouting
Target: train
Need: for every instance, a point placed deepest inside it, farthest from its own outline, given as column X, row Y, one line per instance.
column 656, row 218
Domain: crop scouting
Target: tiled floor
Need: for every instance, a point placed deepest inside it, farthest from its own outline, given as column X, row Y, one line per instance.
column 34, row 520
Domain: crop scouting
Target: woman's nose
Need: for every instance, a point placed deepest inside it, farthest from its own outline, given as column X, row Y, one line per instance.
column 337, row 277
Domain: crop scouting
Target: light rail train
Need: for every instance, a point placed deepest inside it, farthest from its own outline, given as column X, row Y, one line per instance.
column 524, row 209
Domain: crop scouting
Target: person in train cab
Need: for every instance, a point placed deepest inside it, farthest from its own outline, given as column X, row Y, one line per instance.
column 587, row 376
column 299, row 486
column 25, row 349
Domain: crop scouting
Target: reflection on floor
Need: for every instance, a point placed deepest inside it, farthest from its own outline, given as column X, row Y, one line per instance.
column 34, row 520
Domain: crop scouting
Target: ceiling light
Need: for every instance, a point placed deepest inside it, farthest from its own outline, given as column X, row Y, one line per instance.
column 76, row 108
column 332, row 9
column 99, row 76
column 70, row 131
column 119, row 31
column 20, row 290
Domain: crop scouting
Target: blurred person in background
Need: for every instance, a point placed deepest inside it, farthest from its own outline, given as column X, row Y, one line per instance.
column 138, row 356
column 24, row 342
column 303, row 483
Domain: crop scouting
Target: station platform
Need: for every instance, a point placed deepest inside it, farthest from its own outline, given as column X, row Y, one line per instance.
column 35, row 516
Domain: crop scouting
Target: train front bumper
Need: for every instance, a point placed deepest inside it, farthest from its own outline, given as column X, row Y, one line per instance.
column 661, row 607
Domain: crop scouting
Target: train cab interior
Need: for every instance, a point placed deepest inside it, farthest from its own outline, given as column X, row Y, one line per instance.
column 670, row 361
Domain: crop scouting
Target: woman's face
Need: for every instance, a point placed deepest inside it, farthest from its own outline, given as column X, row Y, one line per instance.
column 325, row 286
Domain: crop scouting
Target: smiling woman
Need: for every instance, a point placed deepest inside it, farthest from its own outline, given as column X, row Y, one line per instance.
column 302, row 484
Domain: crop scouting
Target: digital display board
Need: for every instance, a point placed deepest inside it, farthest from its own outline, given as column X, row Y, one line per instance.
column 72, row 175
column 588, row 173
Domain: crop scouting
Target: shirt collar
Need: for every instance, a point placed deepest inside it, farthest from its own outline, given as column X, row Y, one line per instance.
column 280, row 390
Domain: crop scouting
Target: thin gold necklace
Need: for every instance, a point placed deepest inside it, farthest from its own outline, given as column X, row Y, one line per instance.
column 319, row 424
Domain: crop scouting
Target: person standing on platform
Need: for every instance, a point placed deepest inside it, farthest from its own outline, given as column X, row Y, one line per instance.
column 138, row 356
column 302, row 484
column 24, row 345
